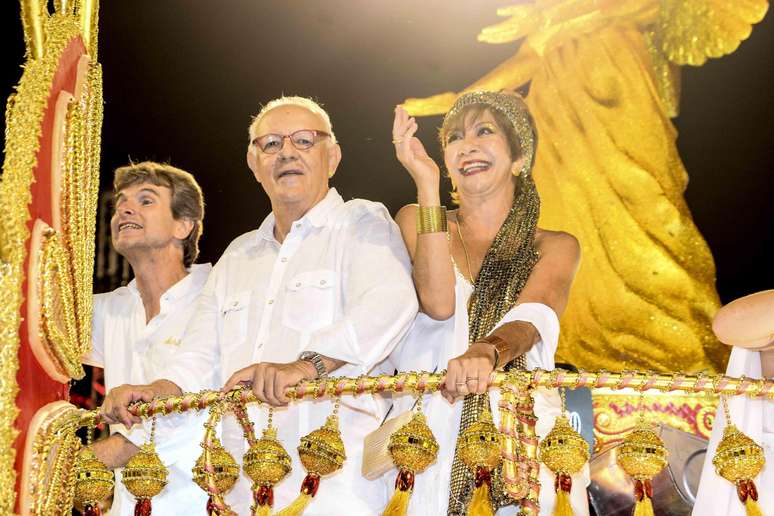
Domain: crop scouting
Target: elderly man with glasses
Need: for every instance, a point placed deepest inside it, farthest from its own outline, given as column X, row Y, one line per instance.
column 322, row 285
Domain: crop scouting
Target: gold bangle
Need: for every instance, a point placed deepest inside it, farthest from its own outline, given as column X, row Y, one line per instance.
column 431, row 219
column 500, row 346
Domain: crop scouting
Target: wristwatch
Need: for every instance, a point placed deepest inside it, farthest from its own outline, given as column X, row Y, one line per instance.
column 316, row 360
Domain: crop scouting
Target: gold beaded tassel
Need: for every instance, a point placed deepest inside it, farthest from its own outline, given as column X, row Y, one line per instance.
column 266, row 463
column 642, row 455
column 564, row 452
column 413, row 448
column 144, row 475
column 93, row 480
column 478, row 447
column 224, row 467
column 322, row 453
column 739, row 460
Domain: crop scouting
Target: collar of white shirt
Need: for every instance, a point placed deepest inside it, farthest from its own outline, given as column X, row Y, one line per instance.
column 193, row 281
column 318, row 216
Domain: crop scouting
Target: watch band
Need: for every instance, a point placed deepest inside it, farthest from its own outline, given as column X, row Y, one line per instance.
column 316, row 360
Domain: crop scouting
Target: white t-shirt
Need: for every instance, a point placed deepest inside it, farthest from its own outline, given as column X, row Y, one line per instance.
column 131, row 351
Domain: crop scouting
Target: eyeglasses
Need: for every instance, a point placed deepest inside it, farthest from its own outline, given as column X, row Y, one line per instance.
column 302, row 139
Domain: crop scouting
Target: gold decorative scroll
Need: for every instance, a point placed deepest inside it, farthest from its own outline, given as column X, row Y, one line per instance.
column 48, row 476
column 47, row 36
column 517, row 418
column 617, row 413
column 603, row 83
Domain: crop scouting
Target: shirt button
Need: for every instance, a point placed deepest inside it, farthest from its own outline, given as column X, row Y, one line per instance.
column 298, row 284
column 322, row 282
column 283, row 259
column 271, row 301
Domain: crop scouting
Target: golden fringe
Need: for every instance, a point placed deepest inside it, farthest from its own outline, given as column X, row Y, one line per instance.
column 752, row 507
column 263, row 510
column 563, row 507
column 399, row 503
column 480, row 504
column 297, row 507
column 644, row 507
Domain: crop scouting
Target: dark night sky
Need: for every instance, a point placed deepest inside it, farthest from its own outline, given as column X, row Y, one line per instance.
column 182, row 79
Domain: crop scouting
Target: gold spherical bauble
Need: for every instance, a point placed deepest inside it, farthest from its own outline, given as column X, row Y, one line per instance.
column 267, row 462
column 413, row 446
column 563, row 450
column 479, row 444
column 322, row 450
column 738, row 457
column 144, row 475
column 225, row 468
column 93, row 480
column 642, row 453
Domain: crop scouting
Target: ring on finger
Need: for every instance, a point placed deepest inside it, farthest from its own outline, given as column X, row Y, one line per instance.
column 397, row 140
column 472, row 379
column 460, row 383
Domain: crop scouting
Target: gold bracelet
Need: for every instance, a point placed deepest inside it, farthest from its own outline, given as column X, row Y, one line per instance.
column 500, row 346
column 431, row 219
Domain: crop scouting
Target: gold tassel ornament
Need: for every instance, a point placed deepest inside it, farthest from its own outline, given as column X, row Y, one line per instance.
column 93, row 482
column 144, row 475
column 478, row 448
column 642, row 455
column 322, row 453
column 739, row 460
column 564, row 451
column 266, row 463
column 223, row 465
column 413, row 448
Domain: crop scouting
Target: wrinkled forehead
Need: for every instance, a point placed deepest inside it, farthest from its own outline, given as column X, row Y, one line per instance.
column 287, row 119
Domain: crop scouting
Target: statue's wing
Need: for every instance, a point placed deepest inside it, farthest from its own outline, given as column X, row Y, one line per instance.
column 691, row 31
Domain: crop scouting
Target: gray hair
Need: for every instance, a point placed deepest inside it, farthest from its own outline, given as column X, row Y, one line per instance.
column 303, row 102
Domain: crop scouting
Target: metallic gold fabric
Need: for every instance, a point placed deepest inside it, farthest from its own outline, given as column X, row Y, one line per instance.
column 604, row 83
column 504, row 272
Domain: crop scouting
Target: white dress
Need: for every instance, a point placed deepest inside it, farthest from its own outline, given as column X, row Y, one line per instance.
column 429, row 346
column 755, row 418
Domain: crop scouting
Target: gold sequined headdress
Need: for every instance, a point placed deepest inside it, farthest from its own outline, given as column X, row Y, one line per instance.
column 513, row 106
column 506, row 267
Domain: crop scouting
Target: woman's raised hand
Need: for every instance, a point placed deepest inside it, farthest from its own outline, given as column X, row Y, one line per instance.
column 411, row 153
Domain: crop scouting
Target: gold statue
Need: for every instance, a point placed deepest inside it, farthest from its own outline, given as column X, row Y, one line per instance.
column 604, row 82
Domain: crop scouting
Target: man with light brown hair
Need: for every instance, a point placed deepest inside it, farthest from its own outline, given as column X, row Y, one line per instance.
column 136, row 330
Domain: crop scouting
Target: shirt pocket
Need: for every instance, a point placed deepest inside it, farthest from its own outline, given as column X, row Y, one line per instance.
column 309, row 301
column 234, row 313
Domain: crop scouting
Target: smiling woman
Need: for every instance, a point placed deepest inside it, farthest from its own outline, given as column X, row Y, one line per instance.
column 490, row 289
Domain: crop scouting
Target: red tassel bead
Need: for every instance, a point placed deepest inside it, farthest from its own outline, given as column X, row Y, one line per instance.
column 483, row 475
column 91, row 510
column 746, row 489
column 264, row 496
column 405, row 480
column 310, row 485
column 642, row 488
column 752, row 490
column 142, row 507
column 563, row 482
